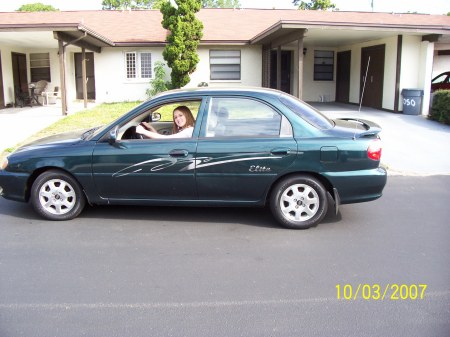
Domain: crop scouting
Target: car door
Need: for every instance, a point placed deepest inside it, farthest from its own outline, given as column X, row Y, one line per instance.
column 245, row 145
column 146, row 169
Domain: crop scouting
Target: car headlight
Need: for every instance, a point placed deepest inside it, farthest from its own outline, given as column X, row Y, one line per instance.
column 4, row 163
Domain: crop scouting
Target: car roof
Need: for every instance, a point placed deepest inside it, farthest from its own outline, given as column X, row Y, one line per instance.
column 220, row 91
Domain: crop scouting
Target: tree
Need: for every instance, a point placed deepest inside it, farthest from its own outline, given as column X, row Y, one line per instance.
column 37, row 7
column 221, row 4
column 128, row 4
column 185, row 32
column 315, row 4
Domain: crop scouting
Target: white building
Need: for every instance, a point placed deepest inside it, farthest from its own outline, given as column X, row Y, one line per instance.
column 315, row 55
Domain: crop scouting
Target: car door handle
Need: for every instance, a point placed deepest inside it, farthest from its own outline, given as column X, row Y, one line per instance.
column 178, row 153
column 280, row 151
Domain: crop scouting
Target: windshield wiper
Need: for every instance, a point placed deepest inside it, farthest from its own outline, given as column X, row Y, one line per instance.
column 89, row 133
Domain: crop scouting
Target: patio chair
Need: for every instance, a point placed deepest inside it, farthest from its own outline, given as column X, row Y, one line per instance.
column 39, row 89
column 21, row 98
column 51, row 96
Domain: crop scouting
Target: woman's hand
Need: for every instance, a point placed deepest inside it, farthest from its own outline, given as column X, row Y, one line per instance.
column 141, row 130
column 148, row 126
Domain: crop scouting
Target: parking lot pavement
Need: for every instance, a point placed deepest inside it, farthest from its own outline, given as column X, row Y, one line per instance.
column 412, row 145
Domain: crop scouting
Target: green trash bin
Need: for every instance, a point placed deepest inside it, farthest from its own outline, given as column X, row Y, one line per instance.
column 412, row 101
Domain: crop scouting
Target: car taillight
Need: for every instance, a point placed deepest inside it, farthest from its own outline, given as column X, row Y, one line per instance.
column 374, row 150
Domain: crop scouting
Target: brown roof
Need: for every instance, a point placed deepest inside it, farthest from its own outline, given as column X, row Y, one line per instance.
column 220, row 25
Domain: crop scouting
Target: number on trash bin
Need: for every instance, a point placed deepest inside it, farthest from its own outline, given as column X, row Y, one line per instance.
column 407, row 101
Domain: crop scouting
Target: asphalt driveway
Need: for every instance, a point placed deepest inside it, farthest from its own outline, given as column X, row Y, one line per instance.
column 412, row 145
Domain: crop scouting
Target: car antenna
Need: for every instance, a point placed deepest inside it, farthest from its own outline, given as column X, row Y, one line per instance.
column 362, row 93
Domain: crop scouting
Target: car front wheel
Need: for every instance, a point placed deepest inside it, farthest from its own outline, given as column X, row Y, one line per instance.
column 56, row 195
column 299, row 202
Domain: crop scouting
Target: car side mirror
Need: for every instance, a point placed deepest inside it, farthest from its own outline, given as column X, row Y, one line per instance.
column 156, row 116
column 113, row 135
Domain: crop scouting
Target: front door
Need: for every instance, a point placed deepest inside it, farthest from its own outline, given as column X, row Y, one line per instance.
column 90, row 75
column 372, row 63
column 148, row 169
column 20, row 76
column 244, row 146
column 145, row 169
column 285, row 70
column 343, row 76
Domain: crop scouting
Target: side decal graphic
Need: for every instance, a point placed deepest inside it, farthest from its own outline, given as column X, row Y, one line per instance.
column 192, row 163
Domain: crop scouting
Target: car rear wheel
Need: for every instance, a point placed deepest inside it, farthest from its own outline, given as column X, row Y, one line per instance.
column 55, row 195
column 299, row 202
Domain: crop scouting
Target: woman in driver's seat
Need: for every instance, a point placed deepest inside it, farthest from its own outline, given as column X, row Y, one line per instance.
column 183, row 125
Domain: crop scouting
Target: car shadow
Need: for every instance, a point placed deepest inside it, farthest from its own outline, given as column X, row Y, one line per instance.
column 249, row 216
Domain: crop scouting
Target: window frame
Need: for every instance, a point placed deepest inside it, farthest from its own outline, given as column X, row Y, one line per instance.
column 225, row 64
column 324, row 59
column 137, row 68
column 284, row 127
column 40, row 62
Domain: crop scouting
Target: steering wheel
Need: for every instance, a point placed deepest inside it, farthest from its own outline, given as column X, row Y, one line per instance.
column 131, row 133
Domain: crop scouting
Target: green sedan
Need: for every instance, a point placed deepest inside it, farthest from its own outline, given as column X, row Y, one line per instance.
column 243, row 147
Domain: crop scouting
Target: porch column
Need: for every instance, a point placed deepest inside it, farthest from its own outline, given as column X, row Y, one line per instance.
column 83, row 72
column 266, row 66
column 300, row 66
column 279, row 68
column 62, row 72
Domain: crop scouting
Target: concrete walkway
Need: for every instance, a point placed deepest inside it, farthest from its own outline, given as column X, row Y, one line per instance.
column 17, row 124
column 412, row 145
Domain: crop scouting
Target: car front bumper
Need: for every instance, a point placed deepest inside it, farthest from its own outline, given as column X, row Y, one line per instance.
column 13, row 185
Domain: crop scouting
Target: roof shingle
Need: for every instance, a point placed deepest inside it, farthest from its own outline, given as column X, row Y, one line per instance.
column 238, row 25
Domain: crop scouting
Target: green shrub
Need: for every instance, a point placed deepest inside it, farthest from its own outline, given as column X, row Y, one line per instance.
column 440, row 111
column 158, row 83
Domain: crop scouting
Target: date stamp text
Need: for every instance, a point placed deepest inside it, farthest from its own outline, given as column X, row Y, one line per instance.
column 377, row 292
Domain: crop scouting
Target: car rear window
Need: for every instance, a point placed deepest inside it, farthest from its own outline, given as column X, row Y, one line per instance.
column 307, row 112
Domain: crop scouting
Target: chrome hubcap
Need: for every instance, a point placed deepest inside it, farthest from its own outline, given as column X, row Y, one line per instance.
column 299, row 202
column 57, row 196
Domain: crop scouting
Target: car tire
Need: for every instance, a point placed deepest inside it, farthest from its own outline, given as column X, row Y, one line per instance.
column 299, row 202
column 56, row 195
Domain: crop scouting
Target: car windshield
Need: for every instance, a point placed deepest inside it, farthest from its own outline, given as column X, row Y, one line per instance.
column 307, row 112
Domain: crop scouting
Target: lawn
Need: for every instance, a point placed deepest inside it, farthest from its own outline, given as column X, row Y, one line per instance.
column 99, row 115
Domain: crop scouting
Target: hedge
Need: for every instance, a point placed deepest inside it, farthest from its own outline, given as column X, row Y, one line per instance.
column 440, row 110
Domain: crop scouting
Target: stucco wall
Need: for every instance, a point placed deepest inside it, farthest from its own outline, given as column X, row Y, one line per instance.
column 8, row 84
column 8, row 81
column 389, row 70
column 251, row 67
column 317, row 91
column 110, row 77
column 441, row 63
column 416, row 67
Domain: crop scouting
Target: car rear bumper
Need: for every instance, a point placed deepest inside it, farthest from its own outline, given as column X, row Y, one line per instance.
column 358, row 186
